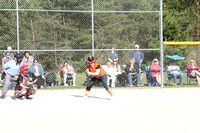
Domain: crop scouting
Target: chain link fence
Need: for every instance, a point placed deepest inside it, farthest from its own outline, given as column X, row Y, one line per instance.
column 56, row 30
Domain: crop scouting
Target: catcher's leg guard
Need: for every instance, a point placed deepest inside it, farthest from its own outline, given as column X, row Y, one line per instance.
column 27, row 94
column 32, row 90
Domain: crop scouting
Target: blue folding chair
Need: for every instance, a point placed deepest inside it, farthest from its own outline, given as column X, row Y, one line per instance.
column 170, row 78
column 151, row 81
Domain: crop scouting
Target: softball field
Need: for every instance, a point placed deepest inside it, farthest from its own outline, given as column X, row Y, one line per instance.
column 133, row 110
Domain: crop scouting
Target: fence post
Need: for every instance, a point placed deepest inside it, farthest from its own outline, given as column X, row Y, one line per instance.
column 17, row 13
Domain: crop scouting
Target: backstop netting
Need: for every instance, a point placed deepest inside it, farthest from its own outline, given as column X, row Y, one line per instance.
column 56, row 30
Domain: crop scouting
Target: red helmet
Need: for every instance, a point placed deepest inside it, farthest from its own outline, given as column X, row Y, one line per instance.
column 91, row 59
column 24, row 70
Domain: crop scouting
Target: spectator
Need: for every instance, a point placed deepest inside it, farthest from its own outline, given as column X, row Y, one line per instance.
column 137, row 55
column 112, row 55
column 155, row 70
column 11, row 70
column 175, row 72
column 193, row 71
column 4, row 61
column 9, row 50
column 68, row 72
column 111, row 74
column 36, row 71
column 118, row 71
column 133, row 71
column 27, row 59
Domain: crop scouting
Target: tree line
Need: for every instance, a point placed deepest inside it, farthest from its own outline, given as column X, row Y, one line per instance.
column 48, row 30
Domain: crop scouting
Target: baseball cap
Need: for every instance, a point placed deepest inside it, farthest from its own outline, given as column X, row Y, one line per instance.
column 91, row 59
column 137, row 46
column 18, row 56
column 155, row 59
column 9, row 48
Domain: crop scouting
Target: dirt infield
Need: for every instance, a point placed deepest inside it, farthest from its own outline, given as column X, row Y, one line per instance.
column 151, row 110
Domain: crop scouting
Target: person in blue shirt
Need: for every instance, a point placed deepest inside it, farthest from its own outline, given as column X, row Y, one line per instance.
column 137, row 55
column 11, row 69
column 175, row 72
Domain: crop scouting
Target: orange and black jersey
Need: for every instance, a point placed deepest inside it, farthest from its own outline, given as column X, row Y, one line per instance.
column 97, row 66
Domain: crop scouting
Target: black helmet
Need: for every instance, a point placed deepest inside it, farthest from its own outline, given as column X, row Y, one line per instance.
column 91, row 59
column 18, row 56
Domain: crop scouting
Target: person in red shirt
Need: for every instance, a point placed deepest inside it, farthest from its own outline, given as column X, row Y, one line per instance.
column 99, row 74
column 155, row 70
column 193, row 71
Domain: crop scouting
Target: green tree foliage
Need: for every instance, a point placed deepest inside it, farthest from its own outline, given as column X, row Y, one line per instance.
column 62, row 30
column 180, row 24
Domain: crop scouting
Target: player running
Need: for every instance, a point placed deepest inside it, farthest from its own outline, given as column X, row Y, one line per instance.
column 23, row 85
column 99, row 74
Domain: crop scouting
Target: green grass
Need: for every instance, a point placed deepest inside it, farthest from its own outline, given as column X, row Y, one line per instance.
column 81, row 78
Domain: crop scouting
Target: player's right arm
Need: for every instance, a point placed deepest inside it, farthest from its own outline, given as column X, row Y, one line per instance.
column 94, row 73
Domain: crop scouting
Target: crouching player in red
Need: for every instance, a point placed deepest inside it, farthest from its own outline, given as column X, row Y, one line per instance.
column 23, row 85
column 99, row 74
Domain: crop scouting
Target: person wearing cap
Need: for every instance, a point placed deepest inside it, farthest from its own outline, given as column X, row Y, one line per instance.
column 133, row 71
column 137, row 55
column 155, row 70
column 9, row 50
column 99, row 74
column 175, row 72
column 11, row 69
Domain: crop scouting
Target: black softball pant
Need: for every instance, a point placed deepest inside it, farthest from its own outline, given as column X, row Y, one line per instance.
column 95, row 81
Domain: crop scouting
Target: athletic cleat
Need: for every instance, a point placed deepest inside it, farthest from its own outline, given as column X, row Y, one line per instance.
column 111, row 97
column 66, row 85
column 3, row 96
column 85, row 97
column 19, row 98
column 29, row 98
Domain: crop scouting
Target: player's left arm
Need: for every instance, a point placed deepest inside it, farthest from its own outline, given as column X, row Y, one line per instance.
column 30, row 83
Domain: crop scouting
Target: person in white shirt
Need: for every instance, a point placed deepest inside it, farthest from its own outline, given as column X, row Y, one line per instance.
column 175, row 72
column 111, row 72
